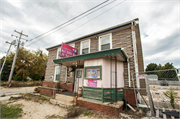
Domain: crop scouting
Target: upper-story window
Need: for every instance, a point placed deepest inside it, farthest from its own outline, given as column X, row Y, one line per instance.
column 85, row 47
column 72, row 45
column 105, row 42
column 58, row 53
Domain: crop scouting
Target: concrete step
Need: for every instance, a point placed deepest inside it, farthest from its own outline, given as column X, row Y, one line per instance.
column 64, row 99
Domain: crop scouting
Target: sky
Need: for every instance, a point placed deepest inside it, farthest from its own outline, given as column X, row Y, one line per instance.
column 159, row 22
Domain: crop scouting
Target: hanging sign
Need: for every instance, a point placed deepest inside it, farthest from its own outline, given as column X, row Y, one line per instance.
column 67, row 51
column 92, row 83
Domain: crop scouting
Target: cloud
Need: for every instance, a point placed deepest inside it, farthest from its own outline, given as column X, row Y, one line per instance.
column 159, row 23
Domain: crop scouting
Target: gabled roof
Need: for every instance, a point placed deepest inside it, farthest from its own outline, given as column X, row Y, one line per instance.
column 71, row 61
column 98, row 32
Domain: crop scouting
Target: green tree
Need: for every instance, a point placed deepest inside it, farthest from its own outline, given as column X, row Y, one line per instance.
column 152, row 67
column 28, row 64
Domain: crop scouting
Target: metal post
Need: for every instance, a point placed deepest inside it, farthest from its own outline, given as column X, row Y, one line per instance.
column 5, row 58
column 14, row 61
column 115, row 79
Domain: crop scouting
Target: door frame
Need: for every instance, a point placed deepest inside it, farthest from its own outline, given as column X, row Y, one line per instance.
column 75, row 75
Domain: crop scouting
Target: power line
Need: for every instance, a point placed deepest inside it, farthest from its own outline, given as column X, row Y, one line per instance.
column 70, row 20
column 43, row 12
column 59, row 13
column 89, row 21
column 33, row 11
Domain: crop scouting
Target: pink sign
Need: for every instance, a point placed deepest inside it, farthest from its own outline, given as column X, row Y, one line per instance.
column 92, row 83
column 141, row 76
column 67, row 51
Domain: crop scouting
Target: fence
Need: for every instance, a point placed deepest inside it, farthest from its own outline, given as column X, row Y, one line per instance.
column 158, row 83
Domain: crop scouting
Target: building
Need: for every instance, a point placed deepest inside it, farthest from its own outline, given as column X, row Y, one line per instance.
column 104, row 62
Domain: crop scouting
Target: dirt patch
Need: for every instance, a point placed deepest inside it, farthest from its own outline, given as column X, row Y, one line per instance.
column 37, row 110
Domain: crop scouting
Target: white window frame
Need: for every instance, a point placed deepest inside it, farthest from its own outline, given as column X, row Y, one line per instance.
column 55, row 72
column 110, row 35
column 81, row 46
column 72, row 45
column 57, row 57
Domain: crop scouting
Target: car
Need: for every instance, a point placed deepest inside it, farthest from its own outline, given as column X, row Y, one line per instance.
column 164, row 83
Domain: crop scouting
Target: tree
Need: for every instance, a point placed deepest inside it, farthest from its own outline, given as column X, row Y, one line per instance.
column 167, row 71
column 152, row 67
column 28, row 64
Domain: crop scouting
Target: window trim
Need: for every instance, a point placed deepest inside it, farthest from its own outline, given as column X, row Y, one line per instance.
column 55, row 73
column 59, row 49
column 88, row 67
column 73, row 44
column 81, row 46
column 110, row 35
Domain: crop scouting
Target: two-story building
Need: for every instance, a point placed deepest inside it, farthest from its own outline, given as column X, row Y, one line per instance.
column 103, row 64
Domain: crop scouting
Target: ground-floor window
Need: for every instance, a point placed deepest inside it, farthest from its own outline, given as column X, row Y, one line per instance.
column 57, row 73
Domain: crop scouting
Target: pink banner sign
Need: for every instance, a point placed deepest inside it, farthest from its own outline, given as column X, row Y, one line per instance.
column 92, row 83
column 67, row 51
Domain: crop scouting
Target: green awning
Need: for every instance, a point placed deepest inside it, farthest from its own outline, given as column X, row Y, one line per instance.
column 71, row 61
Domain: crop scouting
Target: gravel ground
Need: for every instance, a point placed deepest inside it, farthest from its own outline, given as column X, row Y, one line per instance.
column 35, row 110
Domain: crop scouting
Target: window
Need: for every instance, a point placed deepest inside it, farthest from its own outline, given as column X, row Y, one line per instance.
column 58, row 53
column 85, row 47
column 72, row 45
column 93, row 72
column 57, row 73
column 105, row 42
column 79, row 74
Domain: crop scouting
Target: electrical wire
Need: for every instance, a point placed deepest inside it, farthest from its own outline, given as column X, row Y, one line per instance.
column 42, row 13
column 70, row 20
column 62, row 12
column 87, row 22
column 32, row 11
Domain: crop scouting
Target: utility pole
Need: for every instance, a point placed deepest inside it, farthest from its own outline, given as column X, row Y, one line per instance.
column 15, row 56
column 12, row 43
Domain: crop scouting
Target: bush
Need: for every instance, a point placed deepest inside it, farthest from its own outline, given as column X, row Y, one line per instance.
column 22, row 84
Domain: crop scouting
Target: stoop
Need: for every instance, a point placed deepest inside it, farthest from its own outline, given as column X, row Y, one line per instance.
column 64, row 100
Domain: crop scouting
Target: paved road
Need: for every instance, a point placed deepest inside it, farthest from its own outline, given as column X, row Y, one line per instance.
column 11, row 91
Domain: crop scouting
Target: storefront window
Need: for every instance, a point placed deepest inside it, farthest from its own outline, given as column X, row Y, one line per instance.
column 93, row 72
column 79, row 74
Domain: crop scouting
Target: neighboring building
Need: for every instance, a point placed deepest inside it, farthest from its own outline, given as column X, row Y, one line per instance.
column 104, row 62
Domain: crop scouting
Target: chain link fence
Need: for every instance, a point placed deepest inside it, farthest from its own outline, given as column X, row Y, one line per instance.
column 158, row 82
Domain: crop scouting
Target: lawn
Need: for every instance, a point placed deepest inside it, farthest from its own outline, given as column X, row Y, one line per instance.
column 11, row 111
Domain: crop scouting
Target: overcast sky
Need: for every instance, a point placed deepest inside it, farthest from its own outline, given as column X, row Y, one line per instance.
column 159, row 22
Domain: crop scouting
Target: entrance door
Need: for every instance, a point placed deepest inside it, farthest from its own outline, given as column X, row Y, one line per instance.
column 78, row 79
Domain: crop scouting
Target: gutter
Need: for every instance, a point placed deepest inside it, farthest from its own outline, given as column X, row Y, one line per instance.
column 128, row 66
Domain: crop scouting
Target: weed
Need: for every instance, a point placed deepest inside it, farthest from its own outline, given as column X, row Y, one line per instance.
column 43, row 98
column 38, row 91
column 3, row 95
column 88, row 113
column 13, row 111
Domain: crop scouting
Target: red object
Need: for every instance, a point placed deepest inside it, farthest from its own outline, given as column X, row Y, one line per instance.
column 67, row 51
column 92, row 83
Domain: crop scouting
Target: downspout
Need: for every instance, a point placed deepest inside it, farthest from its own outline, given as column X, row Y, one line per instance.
column 66, row 75
column 128, row 66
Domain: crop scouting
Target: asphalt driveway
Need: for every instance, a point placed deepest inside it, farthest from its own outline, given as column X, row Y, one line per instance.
column 11, row 91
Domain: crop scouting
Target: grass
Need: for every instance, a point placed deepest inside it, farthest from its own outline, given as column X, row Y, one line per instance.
column 12, row 111
column 3, row 95
column 88, row 113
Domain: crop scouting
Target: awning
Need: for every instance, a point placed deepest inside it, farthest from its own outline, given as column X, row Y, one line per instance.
column 71, row 61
